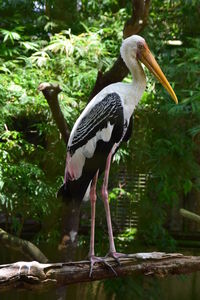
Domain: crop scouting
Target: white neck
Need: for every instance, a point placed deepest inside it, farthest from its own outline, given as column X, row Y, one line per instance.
column 138, row 75
column 132, row 93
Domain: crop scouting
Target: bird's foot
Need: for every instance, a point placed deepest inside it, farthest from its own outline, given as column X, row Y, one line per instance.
column 95, row 259
column 116, row 256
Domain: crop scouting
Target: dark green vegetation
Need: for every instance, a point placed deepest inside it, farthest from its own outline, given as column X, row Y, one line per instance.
column 34, row 49
column 65, row 43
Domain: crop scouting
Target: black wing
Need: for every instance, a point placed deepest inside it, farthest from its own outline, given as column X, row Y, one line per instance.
column 129, row 130
column 109, row 109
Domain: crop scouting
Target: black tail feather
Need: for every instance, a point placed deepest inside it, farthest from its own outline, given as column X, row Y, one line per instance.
column 68, row 193
column 61, row 193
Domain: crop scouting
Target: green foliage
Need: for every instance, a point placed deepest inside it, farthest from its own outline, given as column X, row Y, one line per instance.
column 33, row 49
column 137, row 287
column 23, row 185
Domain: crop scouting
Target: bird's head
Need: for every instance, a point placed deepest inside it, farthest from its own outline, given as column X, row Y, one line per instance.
column 135, row 47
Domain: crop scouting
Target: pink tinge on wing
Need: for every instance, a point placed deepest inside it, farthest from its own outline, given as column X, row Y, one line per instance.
column 70, row 169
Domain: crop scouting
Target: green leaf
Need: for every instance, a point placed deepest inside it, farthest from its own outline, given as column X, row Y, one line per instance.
column 187, row 186
column 10, row 35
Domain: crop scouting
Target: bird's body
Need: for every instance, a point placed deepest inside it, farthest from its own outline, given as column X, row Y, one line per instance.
column 100, row 129
column 101, row 126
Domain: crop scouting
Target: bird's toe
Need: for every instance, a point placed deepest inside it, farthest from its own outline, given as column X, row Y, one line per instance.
column 95, row 259
column 116, row 256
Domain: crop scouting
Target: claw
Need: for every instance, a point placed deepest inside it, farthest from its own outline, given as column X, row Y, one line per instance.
column 116, row 256
column 95, row 259
column 118, row 261
column 110, row 267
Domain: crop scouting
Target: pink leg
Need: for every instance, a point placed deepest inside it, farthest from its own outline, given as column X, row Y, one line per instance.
column 93, row 198
column 92, row 257
column 106, row 203
column 112, row 250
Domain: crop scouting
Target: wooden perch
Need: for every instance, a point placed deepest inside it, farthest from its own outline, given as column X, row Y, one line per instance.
column 36, row 276
column 29, row 250
column 189, row 215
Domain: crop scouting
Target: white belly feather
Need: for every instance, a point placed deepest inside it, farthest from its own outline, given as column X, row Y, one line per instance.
column 76, row 162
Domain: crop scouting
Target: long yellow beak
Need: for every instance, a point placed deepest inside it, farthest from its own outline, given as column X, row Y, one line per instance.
column 149, row 61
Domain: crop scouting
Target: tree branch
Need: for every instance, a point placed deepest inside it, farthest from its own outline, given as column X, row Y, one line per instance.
column 189, row 215
column 50, row 92
column 28, row 249
column 138, row 20
column 33, row 275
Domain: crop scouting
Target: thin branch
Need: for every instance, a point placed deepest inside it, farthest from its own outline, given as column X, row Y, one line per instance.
column 50, row 92
column 189, row 215
column 33, row 275
column 28, row 249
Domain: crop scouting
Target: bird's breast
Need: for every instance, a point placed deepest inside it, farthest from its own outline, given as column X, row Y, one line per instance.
column 76, row 161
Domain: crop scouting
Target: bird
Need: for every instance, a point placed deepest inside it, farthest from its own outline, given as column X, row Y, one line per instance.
column 100, row 129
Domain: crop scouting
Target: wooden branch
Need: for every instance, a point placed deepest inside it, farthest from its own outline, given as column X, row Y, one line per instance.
column 33, row 275
column 137, row 22
column 189, row 215
column 69, row 228
column 70, row 215
column 28, row 249
column 50, row 92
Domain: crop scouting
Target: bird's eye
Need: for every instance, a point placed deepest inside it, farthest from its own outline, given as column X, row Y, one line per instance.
column 140, row 46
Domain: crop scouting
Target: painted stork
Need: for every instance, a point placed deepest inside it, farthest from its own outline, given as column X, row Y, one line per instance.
column 99, row 130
